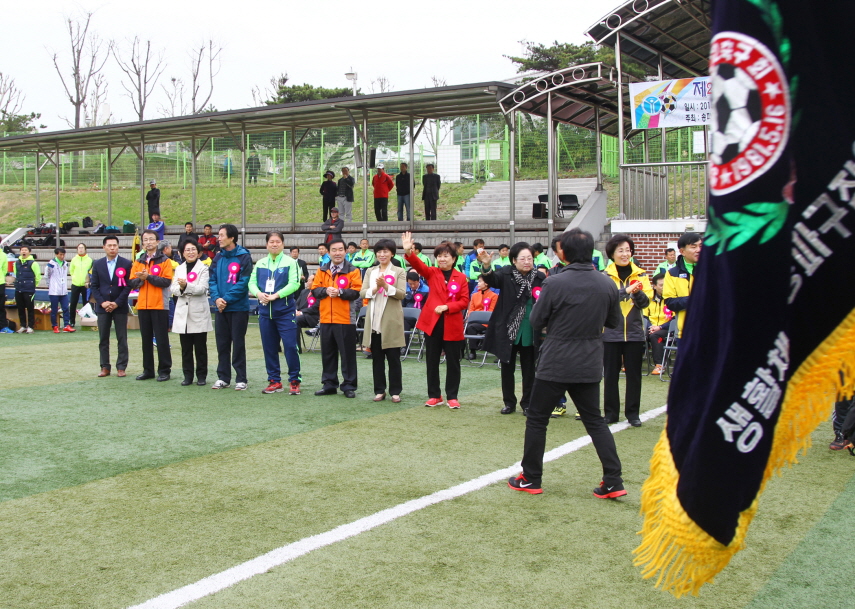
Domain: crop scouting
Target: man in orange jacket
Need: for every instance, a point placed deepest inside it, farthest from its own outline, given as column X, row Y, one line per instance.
column 382, row 183
column 336, row 286
column 151, row 274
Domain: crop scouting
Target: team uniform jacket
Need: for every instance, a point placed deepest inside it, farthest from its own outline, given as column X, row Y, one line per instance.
column 632, row 329
column 655, row 312
column 438, row 295
column 154, row 292
column 235, row 294
column 28, row 274
column 57, row 276
column 80, row 267
column 336, row 310
column 285, row 273
column 678, row 286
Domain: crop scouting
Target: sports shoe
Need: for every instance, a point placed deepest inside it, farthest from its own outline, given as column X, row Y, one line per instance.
column 295, row 388
column 453, row 404
column 220, row 385
column 273, row 387
column 609, row 492
column 29, row 330
column 520, row 483
column 578, row 416
column 240, row 386
column 21, row 330
column 7, row 331
column 434, row 402
column 839, row 442
column 68, row 329
column 56, row 329
column 657, row 370
column 558, row 411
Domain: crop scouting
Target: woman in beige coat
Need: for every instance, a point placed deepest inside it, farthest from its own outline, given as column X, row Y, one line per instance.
column 385, row 286
column 192, row 320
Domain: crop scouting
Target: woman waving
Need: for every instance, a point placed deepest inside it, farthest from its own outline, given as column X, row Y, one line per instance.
column 441, row 318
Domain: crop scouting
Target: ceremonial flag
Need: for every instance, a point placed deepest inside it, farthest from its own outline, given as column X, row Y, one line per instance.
column 768, row 341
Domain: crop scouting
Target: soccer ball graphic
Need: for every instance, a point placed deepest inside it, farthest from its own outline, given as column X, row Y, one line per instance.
column 669, row 103
column 737, row 110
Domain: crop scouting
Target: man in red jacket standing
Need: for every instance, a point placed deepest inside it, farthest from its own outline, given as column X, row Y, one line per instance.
column 382, row 183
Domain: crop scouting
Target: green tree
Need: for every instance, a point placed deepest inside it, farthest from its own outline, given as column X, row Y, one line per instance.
column 539, row 57
column 19, row 123
column 283, row 93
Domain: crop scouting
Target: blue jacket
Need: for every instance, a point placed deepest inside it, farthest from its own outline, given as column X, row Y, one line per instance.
column 409, row 297
column 235, row 294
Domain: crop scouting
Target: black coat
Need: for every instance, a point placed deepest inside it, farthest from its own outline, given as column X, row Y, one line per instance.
column 497, row 340
column 431, row 184
column 574, row 306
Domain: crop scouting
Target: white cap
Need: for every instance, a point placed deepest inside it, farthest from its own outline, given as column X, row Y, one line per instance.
column 381, row 166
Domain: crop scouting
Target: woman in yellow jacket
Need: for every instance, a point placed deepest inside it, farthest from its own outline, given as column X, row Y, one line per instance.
column 624, row 345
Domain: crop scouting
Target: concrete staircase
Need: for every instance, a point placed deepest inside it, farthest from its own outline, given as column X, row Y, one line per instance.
column 493, row 200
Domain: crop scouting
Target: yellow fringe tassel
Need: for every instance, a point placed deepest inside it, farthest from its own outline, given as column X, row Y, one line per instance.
column 674, row 549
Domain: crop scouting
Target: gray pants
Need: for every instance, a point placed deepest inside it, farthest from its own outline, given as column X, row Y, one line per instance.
column 345, row 208
column 105, row 320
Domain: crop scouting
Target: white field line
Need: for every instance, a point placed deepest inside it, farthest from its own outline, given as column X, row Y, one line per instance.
column 274, row 558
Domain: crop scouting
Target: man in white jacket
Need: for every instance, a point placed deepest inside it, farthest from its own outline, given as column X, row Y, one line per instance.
column 57, row 276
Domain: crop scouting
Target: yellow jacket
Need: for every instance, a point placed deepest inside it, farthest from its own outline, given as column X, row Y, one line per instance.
column 678, row 286
column 631, row 306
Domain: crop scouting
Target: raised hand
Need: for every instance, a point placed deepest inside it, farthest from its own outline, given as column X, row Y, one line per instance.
column 407, row 241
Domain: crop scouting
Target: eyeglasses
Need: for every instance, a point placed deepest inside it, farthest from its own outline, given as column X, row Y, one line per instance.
column 521, row 259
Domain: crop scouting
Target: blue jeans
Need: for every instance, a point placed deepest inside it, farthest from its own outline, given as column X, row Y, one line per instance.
column 273, row 331
column 55, row 303
column 404, row 201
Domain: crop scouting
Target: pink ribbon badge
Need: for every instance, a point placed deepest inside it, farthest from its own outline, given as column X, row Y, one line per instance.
column 535, row 292
column 191, row 276
column 453, row 290
column 120, row 273
column 234, row 269
column 342, row 282
column 668, row 312
column 390, row 280
column 155, row 270
column 486, row 303
column 311, row 301
column 418, row 298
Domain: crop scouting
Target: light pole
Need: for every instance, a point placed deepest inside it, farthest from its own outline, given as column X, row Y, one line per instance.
column 351, row 76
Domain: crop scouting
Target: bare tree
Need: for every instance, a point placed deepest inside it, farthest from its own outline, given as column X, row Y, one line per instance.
column 438, row 82
column 96, row 110
column 438, row 130
column 204, row 66
column 142, row 71
column 271, row 93
column 11, row 97
column 176, row 105
column 87, row 61
column 381, row 85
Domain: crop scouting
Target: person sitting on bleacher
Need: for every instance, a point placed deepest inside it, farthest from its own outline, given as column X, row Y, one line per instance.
column 502, row 259
column 483, row 299
column 208, row 241
column 364, row 259
column 157, row 226
column 422, row 257
column 660, row 322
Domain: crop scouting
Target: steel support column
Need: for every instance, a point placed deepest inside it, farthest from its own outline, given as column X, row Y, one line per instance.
column 293, row 179
column 551, row 169
column 512, row 184
column 365, row 173
column 57, row 169
column 38, row 192
column 243, row 184
column 620, row 123
column 599, row 149
column 412, row 167
column 143, row 223
column 193, row 179
column 109, row 186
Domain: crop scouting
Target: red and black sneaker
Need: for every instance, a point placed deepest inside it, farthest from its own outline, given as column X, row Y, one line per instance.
column 273, row 387
column 295, row 388
column 612, row 491
column 520, row 483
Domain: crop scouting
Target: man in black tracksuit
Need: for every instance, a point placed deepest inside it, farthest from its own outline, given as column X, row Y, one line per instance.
column 574, row 306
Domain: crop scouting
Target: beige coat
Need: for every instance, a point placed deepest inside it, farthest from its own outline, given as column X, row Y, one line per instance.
column 192, row 311
column 392, row 322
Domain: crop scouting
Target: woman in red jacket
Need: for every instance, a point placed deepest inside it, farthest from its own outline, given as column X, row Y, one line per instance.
column 441, row 318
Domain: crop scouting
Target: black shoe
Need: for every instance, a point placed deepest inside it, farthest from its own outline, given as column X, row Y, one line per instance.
column 470, row 356
column 186, row 381
column 520, row 483
column 609, row 420
column 201, row 382
column 144, row 377
column 162, row 377
column 635, row 422
column 609, row 492
column 350, row 393
column 327, row 391
column 509, row 410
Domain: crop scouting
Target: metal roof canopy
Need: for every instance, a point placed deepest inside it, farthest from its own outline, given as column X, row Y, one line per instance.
column 678, row 30
column 433, row 103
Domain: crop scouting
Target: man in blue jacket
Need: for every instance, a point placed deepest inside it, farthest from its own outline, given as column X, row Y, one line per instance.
column 110, row 288
column 230, row 272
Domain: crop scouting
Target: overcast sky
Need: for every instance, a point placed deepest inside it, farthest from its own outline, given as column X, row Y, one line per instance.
column 316, row 43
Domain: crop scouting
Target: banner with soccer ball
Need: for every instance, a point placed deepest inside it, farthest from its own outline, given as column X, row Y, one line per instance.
column 767, row 346
column 683, row 102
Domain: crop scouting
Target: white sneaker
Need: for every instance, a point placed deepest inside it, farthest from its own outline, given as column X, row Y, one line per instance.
column 240, row 386
column 29, row 330
column 219, row 385
column 21, row 330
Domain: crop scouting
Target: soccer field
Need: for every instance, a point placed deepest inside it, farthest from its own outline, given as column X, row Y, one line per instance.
column 114, row 492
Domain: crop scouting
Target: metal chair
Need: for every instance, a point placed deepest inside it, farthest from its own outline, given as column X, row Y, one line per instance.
column 670, row 348
column 412, row 315
column 360, row 329
column 481, row 317
column 567, row 203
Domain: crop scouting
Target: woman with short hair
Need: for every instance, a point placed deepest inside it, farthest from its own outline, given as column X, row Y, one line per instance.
column 509, row 332
column 385, row 286
column 192, row 320
column 624, row 346
column 441, row 318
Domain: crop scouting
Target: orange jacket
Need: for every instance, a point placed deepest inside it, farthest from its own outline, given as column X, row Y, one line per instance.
column 336, row 310
column 478, row 299
column 154, row 291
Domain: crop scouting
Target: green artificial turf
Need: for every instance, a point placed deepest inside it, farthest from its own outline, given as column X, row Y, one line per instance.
column 119, row 491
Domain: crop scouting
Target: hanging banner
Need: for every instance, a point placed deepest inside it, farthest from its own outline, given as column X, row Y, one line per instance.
column 684, row 102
